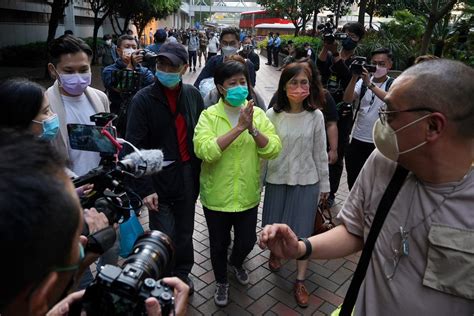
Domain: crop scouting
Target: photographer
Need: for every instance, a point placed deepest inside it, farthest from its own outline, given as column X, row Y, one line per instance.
column 248, row 53
column 129, row 61
column 370, row 89
column 41, row 231
column 333, row 65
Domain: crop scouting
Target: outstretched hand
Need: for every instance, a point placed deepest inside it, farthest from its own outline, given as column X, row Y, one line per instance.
column 280, row 240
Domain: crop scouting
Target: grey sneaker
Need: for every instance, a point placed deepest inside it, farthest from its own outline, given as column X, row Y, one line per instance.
column 221, row 296
column 241, row 275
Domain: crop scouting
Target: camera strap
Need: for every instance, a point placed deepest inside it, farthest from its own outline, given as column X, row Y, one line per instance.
column 363, row 90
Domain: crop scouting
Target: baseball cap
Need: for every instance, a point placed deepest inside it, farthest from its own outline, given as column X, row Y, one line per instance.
column 175, row 52
column 160, row 35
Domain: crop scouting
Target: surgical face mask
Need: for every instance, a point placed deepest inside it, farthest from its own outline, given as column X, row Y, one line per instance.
column 297, row 94
column 380, row 72
column 128, row 52
column 168, row 79
column 75, row 84
column 229, row 50
column 348, row 44
column 108, row 42
column 50, row 127
column 385, row 139
column 237, row 95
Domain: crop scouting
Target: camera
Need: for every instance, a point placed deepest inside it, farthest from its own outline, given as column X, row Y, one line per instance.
column 329, row 34
column 123, row 290
column 358, row 63
column 148, row 55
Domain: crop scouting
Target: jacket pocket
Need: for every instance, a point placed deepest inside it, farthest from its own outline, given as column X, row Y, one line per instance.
column 450, row 262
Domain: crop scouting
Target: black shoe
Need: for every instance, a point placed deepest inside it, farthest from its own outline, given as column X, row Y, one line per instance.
column 190, row 283
column 268, row 64
column 275, row 66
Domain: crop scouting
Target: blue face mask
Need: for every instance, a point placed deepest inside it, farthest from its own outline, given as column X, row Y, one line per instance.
column 236, row 95
column 50, row 127
column 348, row 44
column 168, row 79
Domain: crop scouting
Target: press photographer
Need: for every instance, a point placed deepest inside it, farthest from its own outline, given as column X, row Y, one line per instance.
column 368, row 86
column 125, row 77
column 333, row 64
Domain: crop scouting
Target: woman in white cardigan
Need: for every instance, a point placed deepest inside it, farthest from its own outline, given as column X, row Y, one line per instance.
column 295, row 179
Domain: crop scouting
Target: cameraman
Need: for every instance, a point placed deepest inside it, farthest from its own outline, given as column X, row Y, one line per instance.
column 129, row 60
column 370, row 90
column 333, row 65
column 41, row 231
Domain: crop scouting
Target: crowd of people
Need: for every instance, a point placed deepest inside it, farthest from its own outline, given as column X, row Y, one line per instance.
column 228, row 144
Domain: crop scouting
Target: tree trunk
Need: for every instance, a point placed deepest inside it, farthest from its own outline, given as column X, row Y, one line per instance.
column 362, row 6
column 97, row 25
column 315, row 21
column 371, row 15
column 425, row 42
column 57, row 12
column 338, row 13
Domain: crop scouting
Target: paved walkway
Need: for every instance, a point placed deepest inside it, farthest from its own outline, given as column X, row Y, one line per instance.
column 268, row 293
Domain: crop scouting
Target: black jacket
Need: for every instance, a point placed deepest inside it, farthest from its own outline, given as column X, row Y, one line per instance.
column 216, row 61
column 151, row 125
column 340, row 70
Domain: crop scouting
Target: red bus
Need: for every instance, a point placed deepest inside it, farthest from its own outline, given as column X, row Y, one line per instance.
column 249, row 19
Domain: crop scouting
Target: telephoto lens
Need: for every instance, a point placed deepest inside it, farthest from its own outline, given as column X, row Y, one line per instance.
column 122, row 291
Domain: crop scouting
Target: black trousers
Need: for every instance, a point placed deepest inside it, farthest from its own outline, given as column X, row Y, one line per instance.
column 209, row 55
column 344, row 126
column 192, row 59
column 276, row 50
column 219, row 225
column 269, row 54
column 176, row 219
column 357, row 154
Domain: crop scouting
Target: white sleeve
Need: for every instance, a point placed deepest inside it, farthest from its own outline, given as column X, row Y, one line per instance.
column 358, row 87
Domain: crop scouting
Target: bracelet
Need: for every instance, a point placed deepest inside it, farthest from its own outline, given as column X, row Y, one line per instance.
column 254, row 132
column 371, row 85
column 309, row 249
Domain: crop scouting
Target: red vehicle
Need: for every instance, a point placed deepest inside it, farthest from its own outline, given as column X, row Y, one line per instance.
column 249, row 19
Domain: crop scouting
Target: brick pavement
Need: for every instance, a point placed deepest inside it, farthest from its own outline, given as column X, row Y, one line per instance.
column 268, row 293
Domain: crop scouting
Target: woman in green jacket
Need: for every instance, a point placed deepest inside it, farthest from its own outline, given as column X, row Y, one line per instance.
column 230, row 137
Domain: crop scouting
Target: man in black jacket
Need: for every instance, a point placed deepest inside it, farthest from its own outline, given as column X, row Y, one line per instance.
column 163, row 116
column 335, row 76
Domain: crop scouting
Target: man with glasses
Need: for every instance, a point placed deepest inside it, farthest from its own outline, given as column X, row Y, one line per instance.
column 164, row 115
column 423, row 259
column 333, row 64
column 370, row 90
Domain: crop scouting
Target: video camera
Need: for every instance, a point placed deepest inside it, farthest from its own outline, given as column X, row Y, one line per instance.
column 359, row 63
column 148, row 55
column 123, row 290
column 110, row 194
column 329, row 33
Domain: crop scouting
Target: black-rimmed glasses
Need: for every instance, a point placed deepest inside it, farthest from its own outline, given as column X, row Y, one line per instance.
column 384, row 114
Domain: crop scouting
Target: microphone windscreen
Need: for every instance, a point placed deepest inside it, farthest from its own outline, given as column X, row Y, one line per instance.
column 152, row 157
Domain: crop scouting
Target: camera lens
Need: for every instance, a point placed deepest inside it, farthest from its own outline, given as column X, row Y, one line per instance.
column 152, row 254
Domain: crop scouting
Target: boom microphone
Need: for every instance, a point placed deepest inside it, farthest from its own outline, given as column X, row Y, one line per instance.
column 144, row 163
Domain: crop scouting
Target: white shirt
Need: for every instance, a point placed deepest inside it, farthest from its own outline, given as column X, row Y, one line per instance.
column 436, row 278
column 303, row 159
column 368, row 112
column 212, row 46
column 78, row 111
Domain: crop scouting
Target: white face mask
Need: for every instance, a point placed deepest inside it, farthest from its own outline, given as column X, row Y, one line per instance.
column 128, row 52
column 380, row 72
column 108, row 42
column 385, row 139
column 229, row 50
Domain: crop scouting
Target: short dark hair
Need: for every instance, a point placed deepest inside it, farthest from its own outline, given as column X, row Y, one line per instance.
column 21, row 102
column 382, row 50
column 231, row 30
column 124, row 38
column 107, row 37
column 356, row 28
column 67, row 44
column 291, row 70
column 40, row 218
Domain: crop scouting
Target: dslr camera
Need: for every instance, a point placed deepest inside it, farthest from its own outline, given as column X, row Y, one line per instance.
column 123, row 290
column 359, row 63
column 148, row 55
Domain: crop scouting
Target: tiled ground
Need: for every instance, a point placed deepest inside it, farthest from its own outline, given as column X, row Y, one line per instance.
column 268, row 293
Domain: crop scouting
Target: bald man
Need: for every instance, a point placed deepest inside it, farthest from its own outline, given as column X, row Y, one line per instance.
column 423, row 259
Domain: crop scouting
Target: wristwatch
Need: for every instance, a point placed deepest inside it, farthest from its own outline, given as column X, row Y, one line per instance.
column 253, row 132
column 371, row 85
column 308, row 251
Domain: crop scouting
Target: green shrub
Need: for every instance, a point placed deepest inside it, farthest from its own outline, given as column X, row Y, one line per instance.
column 298, row 41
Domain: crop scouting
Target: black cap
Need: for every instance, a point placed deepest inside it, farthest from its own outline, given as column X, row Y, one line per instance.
column 175, row 52
column 160, row 35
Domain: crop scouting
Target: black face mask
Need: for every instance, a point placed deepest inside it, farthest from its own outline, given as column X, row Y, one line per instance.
column 348, row 44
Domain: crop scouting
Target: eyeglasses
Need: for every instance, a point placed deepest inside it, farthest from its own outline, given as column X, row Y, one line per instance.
column 295, row 83
column 384, row 114
column 400, row 248
column 73, row 267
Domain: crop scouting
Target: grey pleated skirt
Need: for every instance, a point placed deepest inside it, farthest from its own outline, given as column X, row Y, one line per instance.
column 294, row 205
